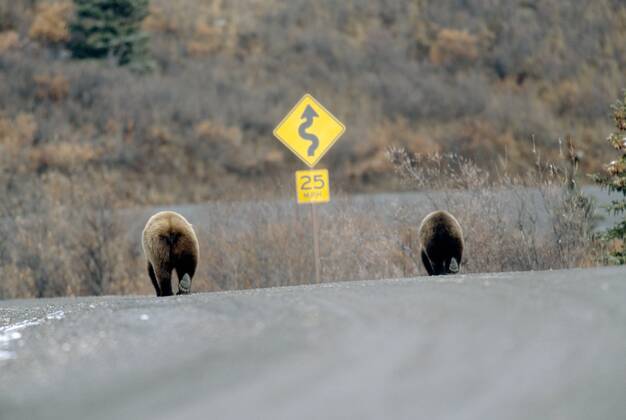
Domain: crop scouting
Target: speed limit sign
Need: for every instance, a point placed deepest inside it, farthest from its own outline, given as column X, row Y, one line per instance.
column 312, row 186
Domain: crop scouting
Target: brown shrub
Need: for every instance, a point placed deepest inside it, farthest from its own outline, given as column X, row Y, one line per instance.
column 206, row 39
column 453, row 46
column 159, row 20
column 370, row 156
column 208, row 130
column 52, row 87
column 63, row 155
column 8, row 40
column 17, row 136
column 273, row 157
column 160, row 134
column 14, row 14
column 50, row 25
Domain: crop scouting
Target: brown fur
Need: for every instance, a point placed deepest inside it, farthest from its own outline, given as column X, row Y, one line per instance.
column 441, row 239
column 169, row 243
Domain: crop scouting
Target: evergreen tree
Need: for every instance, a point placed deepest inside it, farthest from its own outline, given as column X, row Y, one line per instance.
column 615, row 181
column 103, row 28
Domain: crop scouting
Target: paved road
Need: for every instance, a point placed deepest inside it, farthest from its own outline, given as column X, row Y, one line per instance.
column 542, row 345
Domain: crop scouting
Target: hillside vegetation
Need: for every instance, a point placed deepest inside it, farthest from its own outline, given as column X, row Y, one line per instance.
column 481, row 78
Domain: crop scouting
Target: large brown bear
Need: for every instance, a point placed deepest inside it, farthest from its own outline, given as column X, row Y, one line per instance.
column 169, row 243
column 441, row 240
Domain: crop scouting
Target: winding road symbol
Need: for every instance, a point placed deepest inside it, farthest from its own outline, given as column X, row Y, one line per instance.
column 309, row 115
column 309, row 130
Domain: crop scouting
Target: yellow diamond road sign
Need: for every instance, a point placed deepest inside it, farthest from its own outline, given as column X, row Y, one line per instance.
column 309, row 130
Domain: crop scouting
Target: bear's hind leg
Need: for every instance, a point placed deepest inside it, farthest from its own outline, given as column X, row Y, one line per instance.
column 165, row 282
column 427, row 265
column 157, row 289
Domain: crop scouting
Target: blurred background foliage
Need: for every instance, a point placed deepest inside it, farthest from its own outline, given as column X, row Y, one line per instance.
column 486, row 79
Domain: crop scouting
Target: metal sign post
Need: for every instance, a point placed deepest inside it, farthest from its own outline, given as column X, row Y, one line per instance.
column 316, row 244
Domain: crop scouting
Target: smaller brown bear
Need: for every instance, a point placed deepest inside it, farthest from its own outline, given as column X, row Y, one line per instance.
column 170, row 243
column 441, row 240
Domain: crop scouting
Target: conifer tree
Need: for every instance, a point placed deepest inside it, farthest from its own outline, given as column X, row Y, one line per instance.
column 615, row 181
column 103, row 28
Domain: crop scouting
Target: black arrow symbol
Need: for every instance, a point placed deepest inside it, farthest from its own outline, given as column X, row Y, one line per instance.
column 309, row 115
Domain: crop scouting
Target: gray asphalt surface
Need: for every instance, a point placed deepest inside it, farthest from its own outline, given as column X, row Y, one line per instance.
column 539, row 345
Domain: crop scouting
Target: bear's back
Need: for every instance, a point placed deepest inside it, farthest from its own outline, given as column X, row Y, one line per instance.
column 168, row 228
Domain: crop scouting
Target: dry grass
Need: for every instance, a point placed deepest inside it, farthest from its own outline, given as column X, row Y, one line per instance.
column 73, row 243
column 70, row 243
column 93, row 255
column 536, row 222
column 355, row 245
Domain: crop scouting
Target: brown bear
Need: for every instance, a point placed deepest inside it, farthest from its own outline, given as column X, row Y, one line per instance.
column 441, row 240
column 170, row 243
